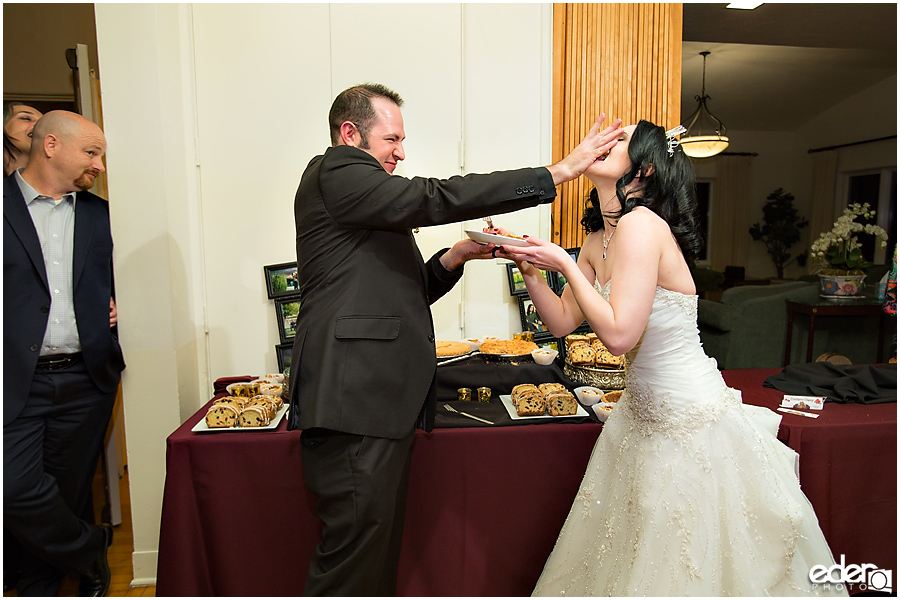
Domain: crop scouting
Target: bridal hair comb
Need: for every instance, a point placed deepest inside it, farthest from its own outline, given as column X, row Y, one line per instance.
column 671, row 141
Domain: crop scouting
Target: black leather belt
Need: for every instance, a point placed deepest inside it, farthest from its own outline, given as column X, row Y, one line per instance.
column 52, row 362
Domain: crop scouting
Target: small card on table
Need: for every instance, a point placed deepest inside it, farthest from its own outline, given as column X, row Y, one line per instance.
column 804, row 402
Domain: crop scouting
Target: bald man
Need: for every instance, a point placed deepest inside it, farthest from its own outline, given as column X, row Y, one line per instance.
column 61, row 356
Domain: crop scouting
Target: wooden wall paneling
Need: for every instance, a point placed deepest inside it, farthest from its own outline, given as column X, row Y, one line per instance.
column 621, row 59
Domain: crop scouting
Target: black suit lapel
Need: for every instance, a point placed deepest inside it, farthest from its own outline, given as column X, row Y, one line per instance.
column 15, row 212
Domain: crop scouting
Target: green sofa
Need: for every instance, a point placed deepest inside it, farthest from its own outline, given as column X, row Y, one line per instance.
column 748, row 328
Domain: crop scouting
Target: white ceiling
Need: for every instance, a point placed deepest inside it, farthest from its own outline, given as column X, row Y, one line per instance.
column 777, row 66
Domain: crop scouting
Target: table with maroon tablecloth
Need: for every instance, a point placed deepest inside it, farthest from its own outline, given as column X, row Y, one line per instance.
column 238, row 521
column 848, row 468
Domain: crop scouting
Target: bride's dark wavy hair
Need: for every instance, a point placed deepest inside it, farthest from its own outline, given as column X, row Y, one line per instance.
column 668, row 191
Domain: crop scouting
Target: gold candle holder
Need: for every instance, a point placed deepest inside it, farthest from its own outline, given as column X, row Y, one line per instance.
column 464, row 394
column 484, row 394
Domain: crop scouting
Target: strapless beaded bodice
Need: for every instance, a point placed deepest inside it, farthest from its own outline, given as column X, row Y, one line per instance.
column 670, row 382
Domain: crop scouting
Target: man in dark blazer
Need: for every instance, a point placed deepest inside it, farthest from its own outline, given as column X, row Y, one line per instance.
column 363, row 364
column 61, row 358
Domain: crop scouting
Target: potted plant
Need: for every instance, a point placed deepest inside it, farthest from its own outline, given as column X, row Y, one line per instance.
column 781, row 228
column 841, row 264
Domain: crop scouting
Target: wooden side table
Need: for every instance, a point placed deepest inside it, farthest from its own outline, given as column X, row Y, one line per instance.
column 832, row 308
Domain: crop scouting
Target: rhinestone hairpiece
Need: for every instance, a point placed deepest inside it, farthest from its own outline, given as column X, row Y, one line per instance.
column 671, row 141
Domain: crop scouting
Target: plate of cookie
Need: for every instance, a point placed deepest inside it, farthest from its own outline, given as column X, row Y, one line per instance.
column 542, row 401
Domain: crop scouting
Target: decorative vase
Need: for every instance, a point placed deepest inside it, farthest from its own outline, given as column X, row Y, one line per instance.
column 840, row 285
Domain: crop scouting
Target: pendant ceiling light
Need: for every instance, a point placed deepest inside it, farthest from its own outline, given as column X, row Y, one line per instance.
column 695, row 143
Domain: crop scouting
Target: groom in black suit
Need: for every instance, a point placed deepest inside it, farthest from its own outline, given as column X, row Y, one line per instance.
column 61, row 357
column 363, row 363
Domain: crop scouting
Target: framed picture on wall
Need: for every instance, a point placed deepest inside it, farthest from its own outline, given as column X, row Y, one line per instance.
column 286, row 310
column 281, row 279
column 517, row 282
column 558, row 281
column 283, row 352
column 546, row 339
column 531, row 320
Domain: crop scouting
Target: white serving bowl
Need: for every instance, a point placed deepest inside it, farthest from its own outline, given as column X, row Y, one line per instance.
column 603, row 410
column 588, row 395
column 271, row 388
column 544, row 356
column 474, row 343
column 231, row 387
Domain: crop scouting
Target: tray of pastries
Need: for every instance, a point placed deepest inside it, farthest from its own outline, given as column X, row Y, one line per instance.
column 243, row 413
column 588, row 361
column 492, row 347
column 541, row 401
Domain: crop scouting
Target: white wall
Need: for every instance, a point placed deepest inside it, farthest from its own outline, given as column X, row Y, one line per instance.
column 212, row 112
column 147, row 106
column 507, row 125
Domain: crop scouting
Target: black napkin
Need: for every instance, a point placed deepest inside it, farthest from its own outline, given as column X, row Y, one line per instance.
column 865, row 384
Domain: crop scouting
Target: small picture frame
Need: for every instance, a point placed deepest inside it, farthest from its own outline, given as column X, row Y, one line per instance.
column 531, row 320
column 286, row 311
column 283, row 352
column 546, row 340
column 281, row 279
column 517, row 282
column 558, row 281
column 561, row 346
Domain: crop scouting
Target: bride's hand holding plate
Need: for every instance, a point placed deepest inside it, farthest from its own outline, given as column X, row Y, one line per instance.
column 543, row 254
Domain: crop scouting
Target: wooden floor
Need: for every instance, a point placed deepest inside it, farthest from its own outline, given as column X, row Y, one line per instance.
column 119, row 554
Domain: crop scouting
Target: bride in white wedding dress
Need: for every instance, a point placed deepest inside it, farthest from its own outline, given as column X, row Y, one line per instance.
column 688, row 492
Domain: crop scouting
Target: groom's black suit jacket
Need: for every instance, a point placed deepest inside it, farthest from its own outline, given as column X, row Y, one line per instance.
column 363, row 360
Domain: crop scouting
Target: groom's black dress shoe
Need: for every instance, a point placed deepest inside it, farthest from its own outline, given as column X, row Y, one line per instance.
column 95, row 581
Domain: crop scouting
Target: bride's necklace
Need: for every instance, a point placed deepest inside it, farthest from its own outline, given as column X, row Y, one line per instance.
column 607, row 241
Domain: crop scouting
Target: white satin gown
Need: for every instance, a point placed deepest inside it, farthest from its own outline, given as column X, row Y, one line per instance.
column 688, row 492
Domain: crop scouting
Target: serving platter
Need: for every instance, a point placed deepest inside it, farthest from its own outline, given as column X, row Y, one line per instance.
column 845, row 298
column 202, row 427
column 491, row 238
column 605, row 379
column 456, row 357
column 487, row 356
column 231, row 387
column 507, row 357
column 514, row 415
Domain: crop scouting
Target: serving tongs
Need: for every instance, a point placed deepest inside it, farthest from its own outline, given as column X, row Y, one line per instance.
column 458, row 358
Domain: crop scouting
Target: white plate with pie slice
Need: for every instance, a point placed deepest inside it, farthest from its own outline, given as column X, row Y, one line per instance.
column 499, row 240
